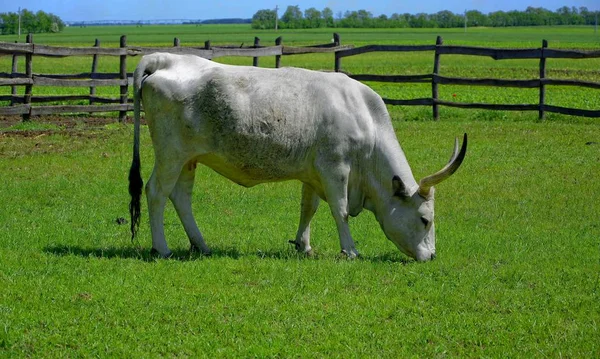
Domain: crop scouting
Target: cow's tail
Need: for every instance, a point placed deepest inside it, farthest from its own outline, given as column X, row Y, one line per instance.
column 136, row 183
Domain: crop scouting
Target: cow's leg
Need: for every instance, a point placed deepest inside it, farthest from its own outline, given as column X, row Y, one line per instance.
column 335, row 185
column 181, row 196
column 159, row 186
column 309, row 205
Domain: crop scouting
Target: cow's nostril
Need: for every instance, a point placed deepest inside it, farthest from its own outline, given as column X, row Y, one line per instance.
column 432, row 256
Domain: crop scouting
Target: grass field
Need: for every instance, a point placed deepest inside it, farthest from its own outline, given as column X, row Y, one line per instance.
column 517, row 273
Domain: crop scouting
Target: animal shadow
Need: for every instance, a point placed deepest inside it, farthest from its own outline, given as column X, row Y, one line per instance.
column 144, row 254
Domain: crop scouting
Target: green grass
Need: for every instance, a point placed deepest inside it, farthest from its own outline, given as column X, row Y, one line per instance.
column 517, row 273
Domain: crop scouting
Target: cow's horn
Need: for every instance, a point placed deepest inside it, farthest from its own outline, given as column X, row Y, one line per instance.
column 455, row 161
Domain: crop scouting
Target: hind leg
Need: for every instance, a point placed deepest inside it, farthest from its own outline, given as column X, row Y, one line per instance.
column 181, row 196
column 309, row 205
column 160, row 185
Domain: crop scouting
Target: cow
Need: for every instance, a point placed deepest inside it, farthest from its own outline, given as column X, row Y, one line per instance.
column 255, row 125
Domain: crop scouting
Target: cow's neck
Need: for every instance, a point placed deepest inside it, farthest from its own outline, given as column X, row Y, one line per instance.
column 388, row 161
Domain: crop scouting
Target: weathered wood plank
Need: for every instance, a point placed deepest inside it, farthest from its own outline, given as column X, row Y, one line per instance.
column 263, row 51
column 207, row 54
column 572, row 111
column 46, row 81
column 411, row 102
column 51, row 110
column 291, row 50
column 532, row 83
column 9, row 48
column 16, row 82
column 82, row 76
column 15, row 110
column 443, row 80
column 570, row 54
column 46, row 50
column 57, row 98
column 486, row 106
column 567, row 82
column 393, row 78
column 388, row 48
column 434, row 86
column 497, row 54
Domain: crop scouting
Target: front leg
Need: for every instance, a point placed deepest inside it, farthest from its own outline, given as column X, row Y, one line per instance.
column 335, row 184
column 309, row 204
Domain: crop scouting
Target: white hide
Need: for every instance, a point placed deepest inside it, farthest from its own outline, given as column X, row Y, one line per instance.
column 255, row 125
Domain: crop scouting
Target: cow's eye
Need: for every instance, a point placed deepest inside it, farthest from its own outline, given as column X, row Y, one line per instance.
column 425, row 221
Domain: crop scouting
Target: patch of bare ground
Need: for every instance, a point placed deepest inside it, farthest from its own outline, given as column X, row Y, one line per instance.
column 76, row 126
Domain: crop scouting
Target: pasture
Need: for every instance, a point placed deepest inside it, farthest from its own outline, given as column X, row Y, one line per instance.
column 518, row 267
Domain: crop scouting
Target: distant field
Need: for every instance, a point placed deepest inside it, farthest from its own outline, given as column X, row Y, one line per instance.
column 582, row 37
column 378, row 63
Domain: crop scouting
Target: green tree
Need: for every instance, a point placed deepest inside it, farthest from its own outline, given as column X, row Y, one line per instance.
column 327, row 15
column 44, row 23
column 476, row 18
column 447, row 19
column 313, row 18
column 264, row 19
column 292, row 17
column 30, row 22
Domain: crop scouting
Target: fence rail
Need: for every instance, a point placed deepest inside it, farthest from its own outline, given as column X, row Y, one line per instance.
column 24, row 105
column 436, row 79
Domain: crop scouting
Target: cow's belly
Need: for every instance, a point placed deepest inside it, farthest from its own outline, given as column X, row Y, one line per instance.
column 248, row 173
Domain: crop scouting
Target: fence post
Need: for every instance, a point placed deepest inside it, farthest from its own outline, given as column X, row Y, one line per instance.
column 256, row 45
column 29, row 74
column 338, row 59
column 542, row 77
column 176, row 42
column 15, row 69
column 434, row 86
column 207, row 45
column 278, row 57
column 93, row 73
column 123, row 76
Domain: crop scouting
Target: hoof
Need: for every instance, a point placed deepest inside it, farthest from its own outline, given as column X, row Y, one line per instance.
column 350, row 254
column 194, row 249
column 296, row 244
column 155, row 253
column 308, row 251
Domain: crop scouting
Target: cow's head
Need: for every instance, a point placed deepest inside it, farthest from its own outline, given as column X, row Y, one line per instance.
column 408, row 220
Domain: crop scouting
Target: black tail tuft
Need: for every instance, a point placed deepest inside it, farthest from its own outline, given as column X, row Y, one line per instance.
column 135, row 191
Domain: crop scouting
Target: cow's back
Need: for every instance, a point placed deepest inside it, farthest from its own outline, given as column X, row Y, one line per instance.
column 254, row 124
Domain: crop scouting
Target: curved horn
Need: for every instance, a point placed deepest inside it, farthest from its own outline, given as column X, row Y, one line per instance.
column 455, row 161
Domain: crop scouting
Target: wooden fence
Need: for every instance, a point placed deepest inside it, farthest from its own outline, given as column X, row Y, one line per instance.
column 24, row 105
column 436, row 79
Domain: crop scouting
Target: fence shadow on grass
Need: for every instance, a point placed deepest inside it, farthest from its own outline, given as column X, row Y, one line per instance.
column 143, row 254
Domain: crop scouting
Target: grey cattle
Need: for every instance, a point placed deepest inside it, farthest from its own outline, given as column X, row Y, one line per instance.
column 255, row 125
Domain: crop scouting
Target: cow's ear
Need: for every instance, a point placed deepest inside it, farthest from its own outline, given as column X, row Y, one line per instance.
column 399, row 188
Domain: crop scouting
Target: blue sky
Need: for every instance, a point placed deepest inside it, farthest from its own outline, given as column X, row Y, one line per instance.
column 73, row 10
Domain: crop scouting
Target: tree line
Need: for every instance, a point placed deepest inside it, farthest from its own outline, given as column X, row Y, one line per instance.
column 29, row 22
column 294, row 18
